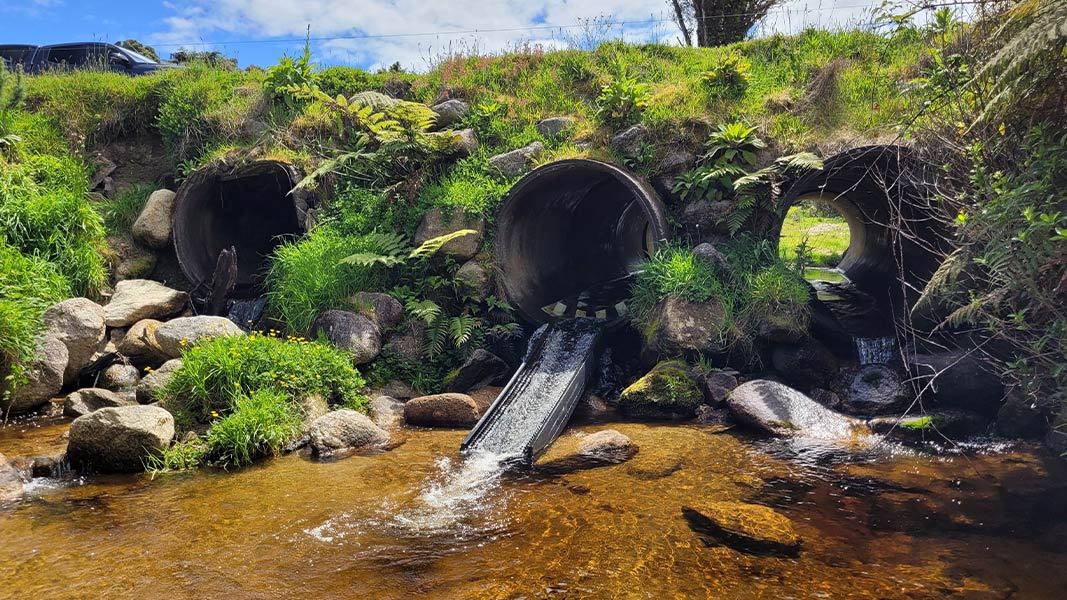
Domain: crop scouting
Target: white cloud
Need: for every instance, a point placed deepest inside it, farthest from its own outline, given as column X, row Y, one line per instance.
column 395, row 27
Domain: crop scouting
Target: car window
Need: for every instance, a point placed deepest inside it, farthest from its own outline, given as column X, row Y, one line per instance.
column 13, row 56
column 70, row 55
column 138, row 57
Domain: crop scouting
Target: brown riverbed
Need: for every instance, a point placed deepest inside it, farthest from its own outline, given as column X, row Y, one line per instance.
column 415, row 522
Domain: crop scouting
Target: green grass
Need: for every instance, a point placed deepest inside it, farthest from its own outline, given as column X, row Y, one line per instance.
column 261, row 424
column 826, row 236
column 215, row 374
column 673, row 271
column 120, row 213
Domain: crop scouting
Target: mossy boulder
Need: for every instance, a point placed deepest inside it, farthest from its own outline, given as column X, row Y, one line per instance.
column 749, row 528
column 666, row 391
column 678, row 326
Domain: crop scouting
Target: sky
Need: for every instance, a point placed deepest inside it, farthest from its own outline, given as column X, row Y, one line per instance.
column 415, row 33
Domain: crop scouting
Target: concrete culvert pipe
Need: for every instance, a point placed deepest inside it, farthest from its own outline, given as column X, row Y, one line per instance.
column 248, row 207
column 574, row 228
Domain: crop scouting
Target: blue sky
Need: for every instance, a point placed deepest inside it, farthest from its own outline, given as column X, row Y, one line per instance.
column 396, row 26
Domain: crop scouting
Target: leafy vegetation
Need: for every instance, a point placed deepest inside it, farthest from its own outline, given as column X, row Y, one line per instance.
column 823, row 237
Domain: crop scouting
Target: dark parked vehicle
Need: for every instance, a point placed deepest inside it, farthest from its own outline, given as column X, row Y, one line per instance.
column 87, row 55
column 16, row 54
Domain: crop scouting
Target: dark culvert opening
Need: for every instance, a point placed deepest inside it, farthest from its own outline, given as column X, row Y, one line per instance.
column 896, row 237
column 568, row 236
column 249, row 208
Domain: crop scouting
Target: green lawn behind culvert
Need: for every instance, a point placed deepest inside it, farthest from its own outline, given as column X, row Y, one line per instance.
column 825, row 236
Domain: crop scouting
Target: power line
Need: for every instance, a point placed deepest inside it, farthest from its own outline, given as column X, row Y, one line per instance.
column 460, row 32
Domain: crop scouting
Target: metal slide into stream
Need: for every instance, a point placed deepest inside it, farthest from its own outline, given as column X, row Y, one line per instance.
column 536, row 404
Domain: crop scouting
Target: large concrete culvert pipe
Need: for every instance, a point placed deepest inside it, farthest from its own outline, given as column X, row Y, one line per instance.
column 247, row 207
column 572, row 226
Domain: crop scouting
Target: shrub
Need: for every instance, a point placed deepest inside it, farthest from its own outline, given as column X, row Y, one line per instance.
column 215, row 374
column 729, row 77
column 290, row 71
column 622, row 100
column 344, row 81
column 261, row 424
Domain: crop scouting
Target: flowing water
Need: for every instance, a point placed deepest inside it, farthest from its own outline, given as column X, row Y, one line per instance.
column 416, row 521
column 876, row 350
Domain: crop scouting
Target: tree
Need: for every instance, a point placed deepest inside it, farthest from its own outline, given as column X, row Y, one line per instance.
column 139, row 48
column 212, row 58
column 717, row 22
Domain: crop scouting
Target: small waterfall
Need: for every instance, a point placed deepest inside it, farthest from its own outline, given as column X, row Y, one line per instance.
column 877, row 350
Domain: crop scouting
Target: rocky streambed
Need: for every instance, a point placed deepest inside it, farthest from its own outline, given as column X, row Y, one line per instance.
column 653, row 511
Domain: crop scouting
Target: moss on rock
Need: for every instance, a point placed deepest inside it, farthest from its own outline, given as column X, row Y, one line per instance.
column 665, row 391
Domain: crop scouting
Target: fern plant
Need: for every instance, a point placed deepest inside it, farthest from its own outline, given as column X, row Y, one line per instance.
column 392, row 249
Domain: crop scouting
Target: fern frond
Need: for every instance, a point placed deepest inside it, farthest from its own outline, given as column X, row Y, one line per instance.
column 427, row 310
column 462, row 328
column 938, row 286
column 432, row 245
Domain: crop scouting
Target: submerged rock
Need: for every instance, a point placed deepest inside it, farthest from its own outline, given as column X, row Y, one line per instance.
column 44, row 378
column 10, row 481
column 152, row 383
column 344, row 429
column 780, row 410
column 353, row 333
column 442, row 410
column 138, row 299
column 153, row 226
column 607, row 446
column 79, row 324
column 85, row 401
column 749, row 528
column 436, row 223
column 178, row 335
column 481, row 369
column 119, row 440
column 666, row 391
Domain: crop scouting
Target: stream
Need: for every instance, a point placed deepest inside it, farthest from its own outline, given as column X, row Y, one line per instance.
column 986, row 521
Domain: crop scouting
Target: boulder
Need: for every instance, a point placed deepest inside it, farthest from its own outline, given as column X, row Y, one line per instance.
column 484, row 397
column 717, row 385
column 707, row 215
column 10, row 481
column 133, row 261
column 409, row 342
column 120, row 439
column 442, row 410
column 344, row 429
column 806, row 364
column 153, row 227
column 79, row 324
column 678, row 326
column 385, row 310
column 450, row 112
column 87, row 400
column 138, row 299
column 934, row 425
column 387, row 412
column 177, row 335
column 871, row 390
column 312, row 406
column 465, row 142
column 351, row 332
column 667, row 391
column 140, row 342
column 1021, row 417
column 608, row 446
column 436, row 223
column 958, row 380
column 554, row 126
column 151, row 384
column 518, row 161
column 594, row 409
column 475, row 278
column 711, row 256
column 631, row 142
column 119, row 377
column 783, row 326
column 44, row 378
column 780, row 410
column 749, row 528
column 481, row 369
column 394, row 389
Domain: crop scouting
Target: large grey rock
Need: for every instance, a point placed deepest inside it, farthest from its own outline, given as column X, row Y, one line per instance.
column 553, row 126
column 631, row 142
column 450, row 112
column 133, row 261
column 79, row 324
column 119, row 377
column 481, row 369
column 780, row 410
column 871, row 390
column 119, row 439
column 707, row 215
column 153, row 227
column 10, row 481
column 475, row 277
column 436, row 223
column 151, row 384
column 385, row 310
column 178, row 335
column 408, row 342
column 679, row 326
column 808, row 363
column 518, row 161
column 87, row 400
column 607, row 446
column 712, row 257
column 351, row 332
column 717, row 386
column 958, row 380
column 465, row 142
column 44, row 378
column 344, row 429
column 138, row 299
column 387, row 412
column 442, row 410
column 140, row 342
